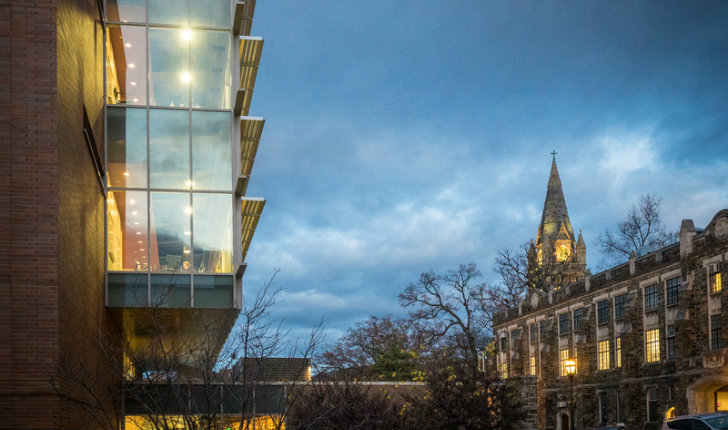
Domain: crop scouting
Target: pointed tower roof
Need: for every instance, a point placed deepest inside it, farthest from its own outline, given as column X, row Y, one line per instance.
column 554, row 209
column 580, row 243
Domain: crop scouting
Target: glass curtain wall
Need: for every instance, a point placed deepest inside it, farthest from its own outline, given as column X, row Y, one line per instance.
column 169, row 149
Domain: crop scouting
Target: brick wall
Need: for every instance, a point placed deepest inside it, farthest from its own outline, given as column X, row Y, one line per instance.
column 28, row 201
column 51, row 210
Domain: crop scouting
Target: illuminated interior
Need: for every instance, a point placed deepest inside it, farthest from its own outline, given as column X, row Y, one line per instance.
column 140, row 422
column 170, row 200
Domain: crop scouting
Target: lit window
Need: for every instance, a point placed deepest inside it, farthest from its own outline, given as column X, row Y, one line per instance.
column 503, row 370
column 618, row 352
column 563, row 355
column 651, row 298
column 715, row 283
column 603, row 312
column 532, row 366
column 652, row 345
column 604, row 355
column 671, row 290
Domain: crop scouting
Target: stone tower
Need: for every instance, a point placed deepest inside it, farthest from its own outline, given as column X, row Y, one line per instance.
column 556, row 245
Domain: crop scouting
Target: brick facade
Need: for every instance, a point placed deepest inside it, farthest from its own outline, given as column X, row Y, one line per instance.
column 632, row 390
column 51, row 208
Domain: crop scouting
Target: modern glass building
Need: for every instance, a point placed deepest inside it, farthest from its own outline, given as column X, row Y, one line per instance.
column 179, row 79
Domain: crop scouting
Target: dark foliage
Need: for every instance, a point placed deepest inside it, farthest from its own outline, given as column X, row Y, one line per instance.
column 459, row 397
column 345, row 405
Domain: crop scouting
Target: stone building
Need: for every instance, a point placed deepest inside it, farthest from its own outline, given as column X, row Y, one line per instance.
column 125, row 157
column 648, row 335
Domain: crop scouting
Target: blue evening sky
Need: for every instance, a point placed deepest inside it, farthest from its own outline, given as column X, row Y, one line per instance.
column 408, row 135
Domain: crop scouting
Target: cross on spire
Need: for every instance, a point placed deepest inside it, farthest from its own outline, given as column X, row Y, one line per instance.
column 554, row 154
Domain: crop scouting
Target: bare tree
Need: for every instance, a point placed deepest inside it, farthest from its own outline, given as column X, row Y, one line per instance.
column 642, row 227
column 165, row 378
column 452, row 304
column 380, row 348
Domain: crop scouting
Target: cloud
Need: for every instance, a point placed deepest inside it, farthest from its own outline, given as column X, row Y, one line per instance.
column 624, row 155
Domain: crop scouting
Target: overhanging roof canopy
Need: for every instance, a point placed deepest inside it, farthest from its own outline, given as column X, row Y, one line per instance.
column 244, row 11
column 250, row 51
column 250, row 130
column 251, row 209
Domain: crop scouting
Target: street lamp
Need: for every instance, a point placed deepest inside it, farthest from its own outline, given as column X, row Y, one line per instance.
column 570, row 367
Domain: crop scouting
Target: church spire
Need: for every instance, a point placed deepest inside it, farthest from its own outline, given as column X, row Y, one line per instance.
column 554, row 209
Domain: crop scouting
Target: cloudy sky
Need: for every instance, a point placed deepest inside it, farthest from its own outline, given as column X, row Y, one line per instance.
column 408, row 135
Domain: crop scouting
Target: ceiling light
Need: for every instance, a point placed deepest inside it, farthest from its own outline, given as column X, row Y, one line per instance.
column 126, row 173
column 127, row 44
column 186, row 35
column 186, row 77
column 132, row 201
column 131, row 65
column 188, row 210
column 132, row 83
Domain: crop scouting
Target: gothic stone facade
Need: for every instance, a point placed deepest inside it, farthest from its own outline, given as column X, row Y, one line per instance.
column 650, row 338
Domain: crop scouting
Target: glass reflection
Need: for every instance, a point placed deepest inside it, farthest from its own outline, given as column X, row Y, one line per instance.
column 169, row 149
column 170, row 232
column 126, row 230
column 171, row 291
column 126, row 65
column 128, row 290
column 174, row 12
column 210, row 58
column 169, row 68
column 211, row 150
column 213, row 233
column 210, row 13
column 126, row 10
column 127, row 147
column 213, row 292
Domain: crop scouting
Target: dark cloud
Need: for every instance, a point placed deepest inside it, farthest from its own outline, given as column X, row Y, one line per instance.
column 407, row 136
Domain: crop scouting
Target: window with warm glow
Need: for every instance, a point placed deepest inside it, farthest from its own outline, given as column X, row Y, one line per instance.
column 618, row 352
column 652, row 346
column 715, row 283
column 532, row 366
column 503, row 370
column 563, row 356
column 604, row 355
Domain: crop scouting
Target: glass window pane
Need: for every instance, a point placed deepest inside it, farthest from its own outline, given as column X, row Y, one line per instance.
column 211, row 151
column 127, row 147
column 213, row 236
column 170, row 232
column 214, row 292
column 210, row 13
column 126, row 65
column 169, row 153
column 126, row 10
column 210, row 75
column 169, row 68
column 127, row 230
column 169, row 12
column 171, row 291
column 127, row 290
